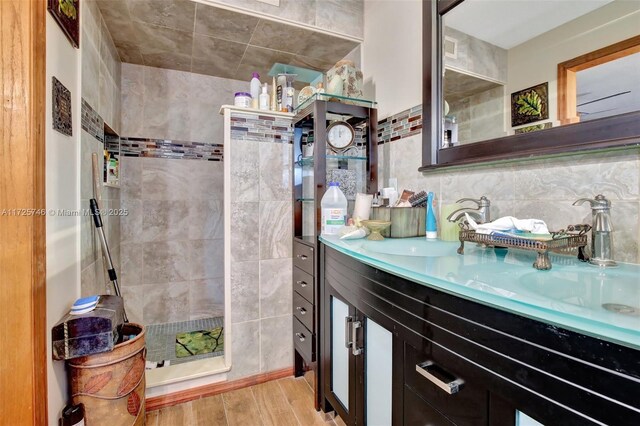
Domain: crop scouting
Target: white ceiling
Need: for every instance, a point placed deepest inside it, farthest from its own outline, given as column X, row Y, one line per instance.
column 508, row 23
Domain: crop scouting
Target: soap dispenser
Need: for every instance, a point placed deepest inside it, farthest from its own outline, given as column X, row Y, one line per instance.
column 601, row 231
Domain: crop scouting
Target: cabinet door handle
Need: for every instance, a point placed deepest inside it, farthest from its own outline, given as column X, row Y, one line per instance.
column 355, row 350
column 453, row 386
column 301, row 283
column 302, row 256
column 347, row 332
column 300, row 336
column 301, row 310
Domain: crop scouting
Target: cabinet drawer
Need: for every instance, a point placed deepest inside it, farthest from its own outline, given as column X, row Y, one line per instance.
column 303, row 284
column 303, row 340
column 417, row 412
column 303, row 257
column 303, row 310
column 442, row 370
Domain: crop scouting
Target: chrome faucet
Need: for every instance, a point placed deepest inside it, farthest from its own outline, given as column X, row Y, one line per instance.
column 480, row 214
column 601, row 231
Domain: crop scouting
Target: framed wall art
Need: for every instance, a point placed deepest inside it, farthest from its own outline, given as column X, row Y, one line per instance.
column 530, row 105
column 61, row 98
column 67, row 15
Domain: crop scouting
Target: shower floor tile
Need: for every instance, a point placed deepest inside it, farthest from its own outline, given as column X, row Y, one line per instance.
column 161, row 339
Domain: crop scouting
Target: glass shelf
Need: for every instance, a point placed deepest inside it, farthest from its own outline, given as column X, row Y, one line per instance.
column 329, row 97
column 308, row 161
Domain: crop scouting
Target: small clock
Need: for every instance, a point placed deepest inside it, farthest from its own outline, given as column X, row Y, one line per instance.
column 340, row 135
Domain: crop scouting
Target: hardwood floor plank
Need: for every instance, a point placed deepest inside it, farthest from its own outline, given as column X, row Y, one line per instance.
column 209, row 411
column 273, row 405
column 152, row 418
column 241, row 408
column 181, row 414
column 300, row 398
column 310, row 377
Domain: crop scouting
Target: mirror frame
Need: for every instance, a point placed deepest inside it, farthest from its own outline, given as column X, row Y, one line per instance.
column 608, row 132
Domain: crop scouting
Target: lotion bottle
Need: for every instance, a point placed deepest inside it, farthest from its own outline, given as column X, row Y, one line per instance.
column 264, row 98
column 431, row 226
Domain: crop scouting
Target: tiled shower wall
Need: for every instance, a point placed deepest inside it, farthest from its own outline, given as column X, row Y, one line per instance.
column 543, row 188
column 261, row 243
column 172, row 238
column 100, row 104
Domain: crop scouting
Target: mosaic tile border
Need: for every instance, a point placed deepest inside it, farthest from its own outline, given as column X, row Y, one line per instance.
column 91, row 122
column 261, row 128
column 401, row 125
column 165, row 148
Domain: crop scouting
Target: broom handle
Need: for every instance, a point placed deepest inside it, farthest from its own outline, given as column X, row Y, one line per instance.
column 97, row 220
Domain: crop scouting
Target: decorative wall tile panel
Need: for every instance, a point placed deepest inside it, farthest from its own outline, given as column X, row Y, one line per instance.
column 164, row 148
column 92, row 123
column 402, row 125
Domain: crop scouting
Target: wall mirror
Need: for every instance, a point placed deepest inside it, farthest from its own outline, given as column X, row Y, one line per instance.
column 507, row 79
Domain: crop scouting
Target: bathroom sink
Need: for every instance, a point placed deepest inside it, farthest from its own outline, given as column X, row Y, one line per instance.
column 586, row 286
column 415, row 247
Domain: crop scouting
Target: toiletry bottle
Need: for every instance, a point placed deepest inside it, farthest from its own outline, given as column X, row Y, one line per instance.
column 431, row 226
column 282, row 84
column 289, row 95
column 255, row 89
column 334, row 210
column 264, row 98
column 274, row 98
column 320, row 88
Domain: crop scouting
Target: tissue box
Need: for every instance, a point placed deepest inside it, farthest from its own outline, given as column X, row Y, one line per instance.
column 406, row 222
column 91, row 333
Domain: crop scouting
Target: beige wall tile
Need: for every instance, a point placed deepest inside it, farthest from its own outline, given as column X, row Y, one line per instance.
column 206, row 298
column 276, row 343
column 245, row 347
column 275, row 229
column 275, row 287
column 168, row 302
column 165, row 262
column 245, row 286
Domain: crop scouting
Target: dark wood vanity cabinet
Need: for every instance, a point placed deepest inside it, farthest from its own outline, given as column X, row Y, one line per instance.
column 458, row 362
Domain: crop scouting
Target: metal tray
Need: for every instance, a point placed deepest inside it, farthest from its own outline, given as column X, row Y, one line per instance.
column 575, row 236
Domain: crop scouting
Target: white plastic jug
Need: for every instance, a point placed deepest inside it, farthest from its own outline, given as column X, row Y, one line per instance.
column 334, row 210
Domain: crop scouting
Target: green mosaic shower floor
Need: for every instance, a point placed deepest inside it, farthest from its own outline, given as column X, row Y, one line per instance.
column 199, row 342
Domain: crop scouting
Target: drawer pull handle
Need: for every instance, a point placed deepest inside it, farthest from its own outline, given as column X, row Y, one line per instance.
column 301, row 283
column 427, row 368
column 301, row 310
column 302, row 256
column 300, row 336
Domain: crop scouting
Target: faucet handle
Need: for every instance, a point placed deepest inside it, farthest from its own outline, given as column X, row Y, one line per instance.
column 597, row 203
column 482, row 202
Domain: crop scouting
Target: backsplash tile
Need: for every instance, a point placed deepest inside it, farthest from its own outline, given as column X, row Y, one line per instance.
column 402, row 125
column 542, row 188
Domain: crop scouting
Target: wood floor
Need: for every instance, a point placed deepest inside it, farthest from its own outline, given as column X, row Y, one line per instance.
column 283, row 402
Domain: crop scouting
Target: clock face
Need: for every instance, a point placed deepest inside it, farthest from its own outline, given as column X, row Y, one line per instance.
column 340, row 135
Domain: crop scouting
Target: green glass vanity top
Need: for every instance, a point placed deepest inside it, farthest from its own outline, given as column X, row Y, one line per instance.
column 571, row 295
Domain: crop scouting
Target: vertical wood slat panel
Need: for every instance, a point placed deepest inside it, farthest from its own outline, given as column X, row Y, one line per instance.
column 23, row 381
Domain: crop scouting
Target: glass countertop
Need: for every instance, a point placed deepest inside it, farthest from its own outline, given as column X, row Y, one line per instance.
column 572, row 295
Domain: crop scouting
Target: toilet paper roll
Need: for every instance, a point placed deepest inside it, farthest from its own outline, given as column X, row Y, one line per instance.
column 362, row 209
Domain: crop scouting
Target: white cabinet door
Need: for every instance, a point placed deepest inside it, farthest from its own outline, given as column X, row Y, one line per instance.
column 339, row 351
column 378, row 373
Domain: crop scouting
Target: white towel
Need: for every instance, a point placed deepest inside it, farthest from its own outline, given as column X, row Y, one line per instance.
column 509, row 223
